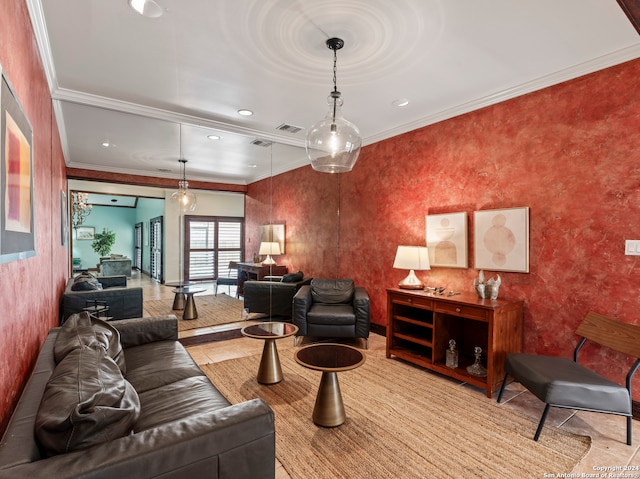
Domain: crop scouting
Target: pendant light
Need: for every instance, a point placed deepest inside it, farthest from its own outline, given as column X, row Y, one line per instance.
column 184, row 198
column 333, row 143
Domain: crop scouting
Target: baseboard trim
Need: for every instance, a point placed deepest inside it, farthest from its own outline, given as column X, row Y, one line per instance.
column 378, row 329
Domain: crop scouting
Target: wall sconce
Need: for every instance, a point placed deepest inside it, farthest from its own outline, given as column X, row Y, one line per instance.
column 269, row 248
column 80, row 208
column 412, row 258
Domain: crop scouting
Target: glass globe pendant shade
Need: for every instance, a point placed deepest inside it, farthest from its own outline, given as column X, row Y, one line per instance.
column 333, row 144
column 183, row 198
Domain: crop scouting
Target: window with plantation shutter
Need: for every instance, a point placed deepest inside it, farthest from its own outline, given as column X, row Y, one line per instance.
column 210, row 244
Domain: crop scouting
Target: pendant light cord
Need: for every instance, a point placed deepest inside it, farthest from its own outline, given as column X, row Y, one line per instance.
column 338, row 232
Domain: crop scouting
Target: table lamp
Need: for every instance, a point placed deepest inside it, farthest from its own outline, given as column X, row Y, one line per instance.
column 269, row 248
column 412, row 258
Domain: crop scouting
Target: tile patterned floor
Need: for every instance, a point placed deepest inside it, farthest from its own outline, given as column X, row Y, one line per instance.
column 608, row 432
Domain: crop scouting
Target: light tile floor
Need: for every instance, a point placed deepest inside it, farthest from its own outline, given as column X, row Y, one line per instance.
column 608, row 432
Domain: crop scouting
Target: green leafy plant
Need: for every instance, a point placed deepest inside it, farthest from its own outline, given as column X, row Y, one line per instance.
column 103, row 242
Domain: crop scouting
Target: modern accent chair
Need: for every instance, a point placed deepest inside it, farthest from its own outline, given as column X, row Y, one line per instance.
column 560, row 382
column 332, row 308
column 230, row 280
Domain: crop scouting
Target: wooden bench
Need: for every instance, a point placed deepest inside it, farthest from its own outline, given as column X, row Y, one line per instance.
column 560, row 382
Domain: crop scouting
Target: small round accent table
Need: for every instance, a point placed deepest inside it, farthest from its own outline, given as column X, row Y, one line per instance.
column 190, row 311
column 179, row 299
column 270, row 371
column 330, row 359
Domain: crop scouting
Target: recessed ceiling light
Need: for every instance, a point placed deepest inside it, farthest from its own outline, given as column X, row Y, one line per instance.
column 245, row 112
column 252, row 166
column 214, row 137
column 106, row 144
column 400, row 103
column 146, row 8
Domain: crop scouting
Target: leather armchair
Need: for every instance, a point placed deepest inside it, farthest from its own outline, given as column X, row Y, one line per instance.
column 274, row 298
column 334, row 308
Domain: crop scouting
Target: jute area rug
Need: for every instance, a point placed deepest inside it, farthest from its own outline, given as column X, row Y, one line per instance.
column 212, row 311
column 401, row 423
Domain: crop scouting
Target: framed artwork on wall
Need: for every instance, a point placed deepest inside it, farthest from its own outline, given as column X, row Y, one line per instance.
column 17, row 212
column 447, row 240
column 64, row 219
column 501, row 239
column 273, row 234
column 85, row 232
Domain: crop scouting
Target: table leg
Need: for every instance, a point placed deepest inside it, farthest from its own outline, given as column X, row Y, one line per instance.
column 190, row 311
column 329, row 408
column 178, row 302
column 270, row 371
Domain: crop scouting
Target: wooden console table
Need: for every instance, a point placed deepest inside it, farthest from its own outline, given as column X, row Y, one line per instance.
column 420, row 325
column 257, row 271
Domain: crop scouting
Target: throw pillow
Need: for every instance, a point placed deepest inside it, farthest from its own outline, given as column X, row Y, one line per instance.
column 81, row 330
column 333, row 291
column 86, row 282
column 293, row 277
column 86, row 402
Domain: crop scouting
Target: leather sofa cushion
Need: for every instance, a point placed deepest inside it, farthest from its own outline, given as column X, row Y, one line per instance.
column 86, row 282
column 182, row 399
column 152, row 365
column 292, row 277
column 80, row 330
column 332, row 314
column 335, row 291
column 86, row 402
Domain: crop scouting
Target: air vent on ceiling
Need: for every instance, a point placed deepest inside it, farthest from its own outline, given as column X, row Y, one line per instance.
column 164, row 170
column 289, row 128
column 263, row 143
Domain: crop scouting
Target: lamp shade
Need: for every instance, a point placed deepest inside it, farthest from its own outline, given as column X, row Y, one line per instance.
column 412, row 257
column 269, row 248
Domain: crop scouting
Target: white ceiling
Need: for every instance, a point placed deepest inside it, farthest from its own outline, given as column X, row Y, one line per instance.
column 128, row 80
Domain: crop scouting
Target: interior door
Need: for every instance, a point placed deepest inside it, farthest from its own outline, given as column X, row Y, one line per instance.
column 156, row 268
column 137, row 247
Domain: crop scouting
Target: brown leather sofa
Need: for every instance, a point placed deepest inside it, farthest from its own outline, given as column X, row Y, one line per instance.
column 153, row 412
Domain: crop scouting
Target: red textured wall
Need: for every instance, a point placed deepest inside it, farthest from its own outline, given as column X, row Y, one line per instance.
column 30, row 288
column 570, row 153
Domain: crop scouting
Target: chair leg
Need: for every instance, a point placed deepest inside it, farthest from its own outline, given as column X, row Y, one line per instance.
column 629, row 431
column 504, row 384
column 542, row 420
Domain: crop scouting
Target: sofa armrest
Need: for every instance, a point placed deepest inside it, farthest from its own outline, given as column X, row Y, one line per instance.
column 137, row 331
column 361, row 308
column 112, row 281
column 302, row 302
column 234, row 442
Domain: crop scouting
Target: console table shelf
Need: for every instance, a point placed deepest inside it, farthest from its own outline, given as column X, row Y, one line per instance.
column 420, row 325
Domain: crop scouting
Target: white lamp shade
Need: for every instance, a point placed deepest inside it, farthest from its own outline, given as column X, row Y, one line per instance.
column 269, row 248
column 412, row 257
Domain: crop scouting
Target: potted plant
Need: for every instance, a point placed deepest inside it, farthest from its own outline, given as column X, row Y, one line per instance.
column 103, row 242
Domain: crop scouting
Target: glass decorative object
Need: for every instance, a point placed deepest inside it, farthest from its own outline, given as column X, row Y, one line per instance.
column 476, row 368
column 452, row 355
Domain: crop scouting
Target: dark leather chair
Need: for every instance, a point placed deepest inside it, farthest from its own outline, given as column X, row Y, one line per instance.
column 560, row 382
column 332, row 308
column 230, row 280
column 274, row 295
